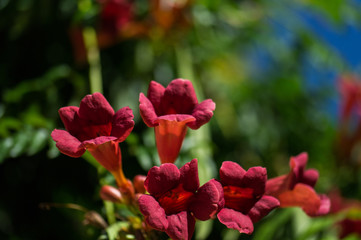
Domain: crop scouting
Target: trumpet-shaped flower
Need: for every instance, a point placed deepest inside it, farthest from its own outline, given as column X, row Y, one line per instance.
column 170, row 110
column 175, row 199
column 245, row 202
column 297, row 188
column 95, row 127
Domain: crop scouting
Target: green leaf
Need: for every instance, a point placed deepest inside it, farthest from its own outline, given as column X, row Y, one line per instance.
column 277, row 221
column 38, row 141
column 114, row 229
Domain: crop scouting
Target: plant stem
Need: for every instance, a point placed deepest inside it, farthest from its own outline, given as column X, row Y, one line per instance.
column 93, row 56
column 109, row 209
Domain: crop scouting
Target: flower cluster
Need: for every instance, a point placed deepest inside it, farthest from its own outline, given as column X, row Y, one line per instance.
column 171, row 199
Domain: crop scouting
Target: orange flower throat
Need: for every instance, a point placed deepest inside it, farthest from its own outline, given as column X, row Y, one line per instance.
column 175, row 200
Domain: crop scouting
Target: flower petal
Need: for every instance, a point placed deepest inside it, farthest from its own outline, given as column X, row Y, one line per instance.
column 236, row 220
column 179, row 97
column 325, row 205
column 155, row 94
column 255, row 178
column 153, row 213
column 231, row 173
column 169, row 136
column 310, row 177
column 189, row 176
column 208, row 200
column 181, row 226
column 122, row 123
column 203, row 112
column 162, row 179
column 108, row 154
column 93, row 143
column 185, row 118
column 302, row 196
column 147, row 111
column 96, row 109
column 277, row 185
column 263, row 207
column 69, row 116
column 297, row 165
column 67, row 144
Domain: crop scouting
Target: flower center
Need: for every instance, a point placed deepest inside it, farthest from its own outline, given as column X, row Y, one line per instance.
column 240, row 199
column 175, row 200
column 94, row 131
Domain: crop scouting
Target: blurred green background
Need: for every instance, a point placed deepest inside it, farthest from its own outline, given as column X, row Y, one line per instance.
column 272, row 67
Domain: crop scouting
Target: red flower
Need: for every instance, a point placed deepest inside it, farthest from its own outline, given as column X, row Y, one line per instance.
column 175, row 199
column 114, row 15
column 297, row 188
column 350, row 89
column 351, row 209
column 95, row 127
column 245, row 202
column 170, row 110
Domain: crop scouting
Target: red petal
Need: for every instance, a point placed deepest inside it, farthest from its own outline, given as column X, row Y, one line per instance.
column 155, row 94
column 236, row 220
column 231, row 173
column 68, row 144
column 263, row 207
column 325, row 205
column 277, row 185
column 96, row 109
column 181, row 226
column 147, row 111
column 162, row 179
column 208, row 200
column 153, row 213
column 69, row 116
column 297, row 165
column 179, row 97
column 169, row 136
column 302, row 196
column 310, row 177
column 107, row 154
column 203, row 112
column 255, row 178
column 93, row 143
column 185, row 118
column 122, row 123
column 189, row 176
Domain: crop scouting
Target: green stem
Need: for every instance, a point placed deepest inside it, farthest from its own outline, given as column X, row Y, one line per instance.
column 93, row 56
column 109, row 209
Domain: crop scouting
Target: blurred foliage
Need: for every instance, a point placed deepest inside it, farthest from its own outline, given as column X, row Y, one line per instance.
column 253, row 58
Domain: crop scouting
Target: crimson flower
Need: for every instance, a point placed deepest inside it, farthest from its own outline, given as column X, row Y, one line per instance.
column 351, row 209
column 297, row 188
column 170, row 110
column 95, row 127
column 245, row 202
column 115, row 14
column 350, row 89
column 175, row 199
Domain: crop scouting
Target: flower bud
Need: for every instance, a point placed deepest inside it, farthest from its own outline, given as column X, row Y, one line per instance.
column 109, row 193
